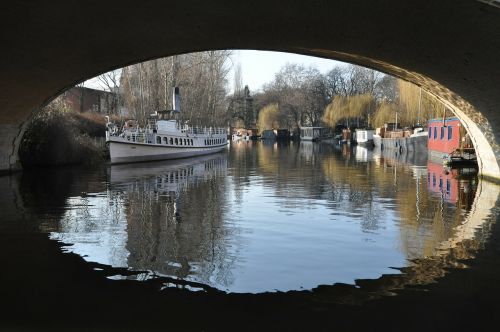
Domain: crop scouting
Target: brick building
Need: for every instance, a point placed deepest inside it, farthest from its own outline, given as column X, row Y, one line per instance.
column 84, row 99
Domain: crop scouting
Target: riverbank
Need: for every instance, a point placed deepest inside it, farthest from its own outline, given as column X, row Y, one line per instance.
column 58, row 136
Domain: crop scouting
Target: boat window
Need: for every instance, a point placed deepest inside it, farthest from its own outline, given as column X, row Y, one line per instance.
column 185, row 142
column 435, row 133
column 433, row 180
column 158, row 140
column 448, row 186
column 442, row 133
column 440, row 183
column 171, row 141
column 180, row 141
column 430, row 132
column 165, row 140
column 176, row 141
column 450, row 133
column 191, row 141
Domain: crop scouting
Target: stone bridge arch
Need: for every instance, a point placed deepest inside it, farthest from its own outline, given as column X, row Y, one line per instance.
column 449, row 48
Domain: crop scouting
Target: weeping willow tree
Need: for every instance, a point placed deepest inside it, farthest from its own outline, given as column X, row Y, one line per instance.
column 413, row 106
column 416, row 105
column 351, row 109
column 386, row 112
column 268, row 117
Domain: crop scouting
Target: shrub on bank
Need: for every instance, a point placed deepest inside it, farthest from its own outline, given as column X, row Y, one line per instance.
column 59, row 136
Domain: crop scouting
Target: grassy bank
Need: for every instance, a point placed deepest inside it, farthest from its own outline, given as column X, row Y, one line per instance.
column 60, row 136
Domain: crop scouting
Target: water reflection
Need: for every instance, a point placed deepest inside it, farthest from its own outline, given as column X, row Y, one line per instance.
column 273, row 216
column 160, row 217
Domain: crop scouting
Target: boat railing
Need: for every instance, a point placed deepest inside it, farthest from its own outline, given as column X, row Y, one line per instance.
column 140, row 132
column 204, row 130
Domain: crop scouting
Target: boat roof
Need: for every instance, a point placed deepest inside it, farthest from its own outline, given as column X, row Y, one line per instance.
column 446, row 119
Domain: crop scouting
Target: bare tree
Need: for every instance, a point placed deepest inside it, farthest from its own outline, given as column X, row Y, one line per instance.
column 201, row 77
column 301, row 94
column 110, row 82
column 238, row 80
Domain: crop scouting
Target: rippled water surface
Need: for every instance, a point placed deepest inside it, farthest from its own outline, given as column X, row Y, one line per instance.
column 259, row 217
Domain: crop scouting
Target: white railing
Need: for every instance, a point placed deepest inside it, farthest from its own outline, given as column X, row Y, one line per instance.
column 142, row 135
column 203, row 130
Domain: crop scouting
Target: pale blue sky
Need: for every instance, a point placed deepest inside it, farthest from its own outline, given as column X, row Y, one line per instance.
column 259, row 67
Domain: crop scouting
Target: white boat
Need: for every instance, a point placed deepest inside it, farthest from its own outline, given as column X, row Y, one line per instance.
column 364, row 136
column 163, row 138
column 236, row 136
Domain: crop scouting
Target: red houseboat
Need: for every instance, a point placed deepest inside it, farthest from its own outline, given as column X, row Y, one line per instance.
column 448, row 142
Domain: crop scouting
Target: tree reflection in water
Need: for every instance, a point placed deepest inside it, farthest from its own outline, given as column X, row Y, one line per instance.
column 273, row 216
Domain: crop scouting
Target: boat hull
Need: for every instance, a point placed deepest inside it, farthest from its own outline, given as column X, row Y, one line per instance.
column 128, row 152
column 413, row 143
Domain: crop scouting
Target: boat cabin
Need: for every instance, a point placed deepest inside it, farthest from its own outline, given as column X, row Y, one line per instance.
column 447, row 137
column 268, row 134
column 312, row 133
column 444, row 135
column 283, row 134
column 364, row 136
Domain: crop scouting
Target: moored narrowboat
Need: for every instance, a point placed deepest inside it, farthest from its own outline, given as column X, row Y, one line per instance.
column 449, row 143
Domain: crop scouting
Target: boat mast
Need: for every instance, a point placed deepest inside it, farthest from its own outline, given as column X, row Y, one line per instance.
column 419, row 106
column 396, row 125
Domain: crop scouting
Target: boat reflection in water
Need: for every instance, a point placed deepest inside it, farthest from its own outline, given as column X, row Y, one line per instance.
column 140, row 223
column 452, row 185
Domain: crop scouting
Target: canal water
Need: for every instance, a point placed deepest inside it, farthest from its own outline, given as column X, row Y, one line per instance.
column 261, row 217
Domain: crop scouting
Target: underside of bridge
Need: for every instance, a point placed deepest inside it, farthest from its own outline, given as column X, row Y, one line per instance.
column 450, row 48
